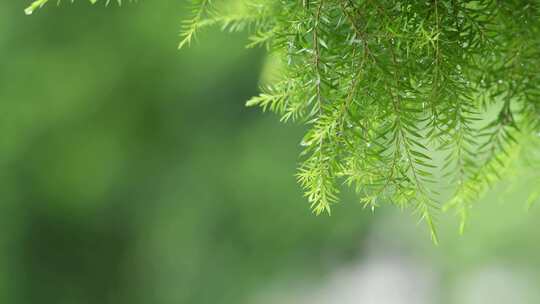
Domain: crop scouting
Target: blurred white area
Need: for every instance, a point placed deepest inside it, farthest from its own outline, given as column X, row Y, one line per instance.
column 399, row 265
column 387, row 273
column 384, row 274
column 495, row 284
column 376, row 280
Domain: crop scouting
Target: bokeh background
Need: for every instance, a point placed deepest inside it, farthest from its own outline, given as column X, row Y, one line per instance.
column 131, row 172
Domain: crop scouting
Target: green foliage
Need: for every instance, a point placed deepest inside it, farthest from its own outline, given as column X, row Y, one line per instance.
column 40, row 3
column 387, row 88
column 384, row 86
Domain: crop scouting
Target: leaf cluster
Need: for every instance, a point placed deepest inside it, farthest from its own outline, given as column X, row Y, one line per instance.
column 385, row 86
column 37, row 4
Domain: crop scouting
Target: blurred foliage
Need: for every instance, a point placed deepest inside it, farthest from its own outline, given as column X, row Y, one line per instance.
column 133, row 173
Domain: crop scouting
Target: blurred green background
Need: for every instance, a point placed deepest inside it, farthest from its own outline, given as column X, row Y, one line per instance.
column 132, row 173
